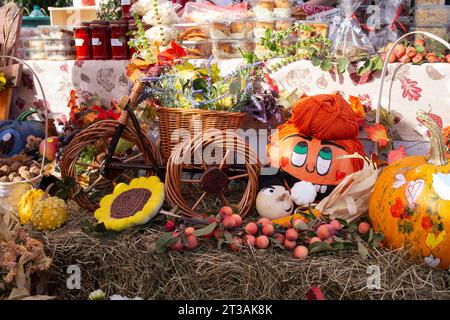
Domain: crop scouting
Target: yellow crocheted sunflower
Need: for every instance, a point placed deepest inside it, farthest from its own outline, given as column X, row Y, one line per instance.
column 131, row 204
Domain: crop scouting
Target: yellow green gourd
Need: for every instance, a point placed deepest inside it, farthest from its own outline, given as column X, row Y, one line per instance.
column 45, row 213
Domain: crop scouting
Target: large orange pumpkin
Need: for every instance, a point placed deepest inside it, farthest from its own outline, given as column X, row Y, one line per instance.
column 410, row 202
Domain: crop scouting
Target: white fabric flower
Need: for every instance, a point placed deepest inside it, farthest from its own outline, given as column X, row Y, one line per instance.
column 161, row 34
column 166, row 15
column 97, row 295
column 141, row 7
column 303, row 193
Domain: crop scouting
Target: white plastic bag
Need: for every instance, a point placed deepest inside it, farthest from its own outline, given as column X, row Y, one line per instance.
column 350, row 41
column 389, row 32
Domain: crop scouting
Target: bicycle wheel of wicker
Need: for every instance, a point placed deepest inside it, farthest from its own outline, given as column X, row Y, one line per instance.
column 211, row 188
column 101, row 132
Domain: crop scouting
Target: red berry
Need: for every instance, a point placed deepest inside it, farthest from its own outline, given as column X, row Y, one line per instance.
column 228, row 222
column 249, row 240
column 419, row 42
column 192, row 242
column 279, row 237
column 169, row 225
column 268, row 229
column 262, row 242
column 251, row 228
column 236, row 244
column 411, row 52
column 314, row 239
column 226, row 211
column 323, row 232
column 237, row 220
column 363, row 227
column 264, row 221
column 189, row 230
column 336, row 225
column 400, row 50
column 301, row 252
column 177, row 245
column 291, row 234
column 289, row 244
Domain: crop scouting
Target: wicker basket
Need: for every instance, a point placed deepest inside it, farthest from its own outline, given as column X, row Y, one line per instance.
column 194, row 121
column 11, row 192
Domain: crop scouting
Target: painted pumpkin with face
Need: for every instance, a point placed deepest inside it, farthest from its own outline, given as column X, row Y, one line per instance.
column 310, row 145
column 313, row 160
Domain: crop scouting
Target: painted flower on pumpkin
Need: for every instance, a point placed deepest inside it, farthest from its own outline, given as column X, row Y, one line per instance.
column 398, row 208
column 377, row 133
column 426, row 223
column 131, row 204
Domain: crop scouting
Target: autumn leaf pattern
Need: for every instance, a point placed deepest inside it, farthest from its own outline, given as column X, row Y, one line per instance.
column 410, row 89
column 27, row 81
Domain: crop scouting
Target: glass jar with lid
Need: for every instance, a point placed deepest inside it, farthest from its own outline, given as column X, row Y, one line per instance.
column 83, row 41
column 101, row 40
column 119, row 43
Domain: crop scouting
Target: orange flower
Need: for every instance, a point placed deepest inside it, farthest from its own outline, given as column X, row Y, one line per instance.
column 398, row 208
column 357, row 107
column 427, row 223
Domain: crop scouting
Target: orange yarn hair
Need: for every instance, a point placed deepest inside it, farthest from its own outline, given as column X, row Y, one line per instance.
column 326, row 117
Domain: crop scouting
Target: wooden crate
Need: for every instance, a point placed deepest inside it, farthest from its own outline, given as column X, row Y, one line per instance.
column 71, row 16
column 12, row 71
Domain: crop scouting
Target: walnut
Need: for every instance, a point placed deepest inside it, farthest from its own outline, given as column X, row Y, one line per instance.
column 12, row 175
column 15, row 166
column 22, row 168
column 17, row 179
column 35, row 170
column 4, row 170
column 4, row 179
column 25, row 174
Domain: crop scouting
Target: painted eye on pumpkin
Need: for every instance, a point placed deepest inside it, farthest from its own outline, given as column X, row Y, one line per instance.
column 299, row 154
column 324, row 161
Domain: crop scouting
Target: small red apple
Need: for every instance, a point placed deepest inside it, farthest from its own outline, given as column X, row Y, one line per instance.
column 52, row 147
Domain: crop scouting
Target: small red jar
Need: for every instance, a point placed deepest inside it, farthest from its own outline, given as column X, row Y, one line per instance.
column 83, row 41
column 101, row 40
column 119, row 45
column 126, row 4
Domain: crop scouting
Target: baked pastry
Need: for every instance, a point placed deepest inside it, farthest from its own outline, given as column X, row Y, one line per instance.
column 220, row 30
column 283, row 4
column 225, row 47
column 264, row 24
column 264, row 9
column 237, row 27
column 269, row 5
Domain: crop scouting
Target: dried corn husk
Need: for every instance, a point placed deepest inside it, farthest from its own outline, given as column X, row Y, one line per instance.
column 350, row 199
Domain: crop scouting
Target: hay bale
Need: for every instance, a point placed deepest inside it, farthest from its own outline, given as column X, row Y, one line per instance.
column 128, row 265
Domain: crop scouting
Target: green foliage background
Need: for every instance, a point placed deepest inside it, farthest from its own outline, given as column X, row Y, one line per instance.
column 43, row 3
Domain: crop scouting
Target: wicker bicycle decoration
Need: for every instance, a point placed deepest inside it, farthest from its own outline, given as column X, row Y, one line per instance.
column 112, row 169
